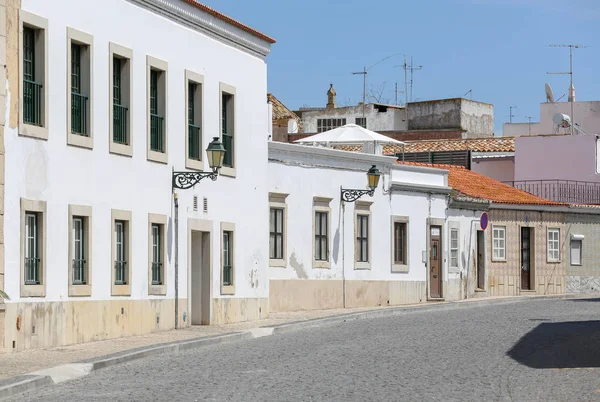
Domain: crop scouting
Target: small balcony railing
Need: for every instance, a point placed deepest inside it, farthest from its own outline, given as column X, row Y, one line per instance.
column 157, row 138
column 567, row 191
column 194, row 142
column 79, row 104
column 228, row 145
column 156, row 273
column 32, row 102
column 79, row 272
column 120, row 124
column 32, row 271
column 120, row 278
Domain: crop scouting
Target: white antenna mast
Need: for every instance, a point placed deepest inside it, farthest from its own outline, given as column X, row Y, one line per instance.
column 571, row 47
column 510, row 113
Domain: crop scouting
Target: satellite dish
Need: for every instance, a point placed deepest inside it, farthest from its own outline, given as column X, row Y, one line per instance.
column 549, row 93
column 561, row 120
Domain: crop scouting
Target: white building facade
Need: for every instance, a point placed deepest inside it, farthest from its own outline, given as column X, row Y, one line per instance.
column 388, row 249
column 105, row 100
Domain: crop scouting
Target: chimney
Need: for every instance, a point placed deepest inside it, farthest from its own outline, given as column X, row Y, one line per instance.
column 331, row 97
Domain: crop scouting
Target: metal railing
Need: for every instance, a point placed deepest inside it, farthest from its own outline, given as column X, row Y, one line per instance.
column 120, row 278
column 78, row 272
column 157, row 139
column 568, row 191
column 227, row 275
column 32, row 102
column 194, row 142
column 156, row 274
column 120, row 124
column 79, row 113
column 228, row 144
column 32, row 271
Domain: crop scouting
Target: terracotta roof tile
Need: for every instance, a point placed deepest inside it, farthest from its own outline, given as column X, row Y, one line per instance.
column 479, row 186
column 280, row 111
column 230, row 20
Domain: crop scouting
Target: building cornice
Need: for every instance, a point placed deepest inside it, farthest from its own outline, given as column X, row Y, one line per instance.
column 207, row 24
column 573, row 209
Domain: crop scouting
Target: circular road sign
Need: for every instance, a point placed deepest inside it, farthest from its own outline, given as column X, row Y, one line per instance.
column 483, row 221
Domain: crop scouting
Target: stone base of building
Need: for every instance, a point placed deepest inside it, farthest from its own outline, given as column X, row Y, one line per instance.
column 316, row 294
column 510, row 285
column 583, row 284
column 231, row 310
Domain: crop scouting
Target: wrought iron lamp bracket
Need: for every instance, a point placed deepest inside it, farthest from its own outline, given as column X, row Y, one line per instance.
column 351, row 195
column 185, row 180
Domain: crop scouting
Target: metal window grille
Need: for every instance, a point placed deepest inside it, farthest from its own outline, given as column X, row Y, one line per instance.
column 321, row 236
column 32, row 261
column 499, row 242
column 454, row 248
column 227, row 115
column 120, row 253
column 78, row 100
column 399, row 243
column 157, row 140
column 156, row 254
column 194, row 130
column 227, row 253
column 32, row 90
column 276, row 234
column 329, row 124
column 362, row 238
column 119, row 111
column 79, row 274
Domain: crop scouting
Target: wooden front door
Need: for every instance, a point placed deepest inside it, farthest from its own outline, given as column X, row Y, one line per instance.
column 525, row 258
column 435, row 258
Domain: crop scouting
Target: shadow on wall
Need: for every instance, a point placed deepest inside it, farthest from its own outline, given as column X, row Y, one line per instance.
column 560, row 345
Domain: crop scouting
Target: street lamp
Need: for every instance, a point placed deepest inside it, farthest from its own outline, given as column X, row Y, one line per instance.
column 184, row 180
column 215, row 153
column 351, row 195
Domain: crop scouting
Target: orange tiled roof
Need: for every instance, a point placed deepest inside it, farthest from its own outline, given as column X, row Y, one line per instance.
column 280, row 111
column 230, row 20
column 476, row 185
column 495, row 144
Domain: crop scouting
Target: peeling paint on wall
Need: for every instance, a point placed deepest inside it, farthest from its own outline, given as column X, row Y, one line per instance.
column 298, row 267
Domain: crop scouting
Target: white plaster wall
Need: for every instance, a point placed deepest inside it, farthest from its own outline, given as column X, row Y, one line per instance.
column 419, row 175
column 392, row 119
column 501, row 169
column 305, row 178
column 556, row 157
column 61, row 175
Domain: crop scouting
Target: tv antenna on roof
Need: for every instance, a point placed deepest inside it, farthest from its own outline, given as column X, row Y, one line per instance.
column 571, row 47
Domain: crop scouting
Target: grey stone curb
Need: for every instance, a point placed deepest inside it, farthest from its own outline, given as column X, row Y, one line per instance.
column 24, row 383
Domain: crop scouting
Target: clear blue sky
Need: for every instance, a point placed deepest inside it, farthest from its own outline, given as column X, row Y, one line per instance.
column 497, row 48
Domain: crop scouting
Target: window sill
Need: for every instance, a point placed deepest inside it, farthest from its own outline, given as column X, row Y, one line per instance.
column 400, row 268
column 228, row 171
column 499, row 260
column 80, row 290
column 157, row 290
column 33, row 290
column 194, row 164
column 576, row 265
column 120, row 290
column 120, row 149
column 160, row 157
column 80, row 140
column 321, row 264
column 279, row 263
column 362, row 265
column 228, row 290
column 553, row 261
column 29, row 130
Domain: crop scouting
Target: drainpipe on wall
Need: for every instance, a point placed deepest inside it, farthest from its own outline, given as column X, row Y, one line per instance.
column 344, row 249
column 176, row 201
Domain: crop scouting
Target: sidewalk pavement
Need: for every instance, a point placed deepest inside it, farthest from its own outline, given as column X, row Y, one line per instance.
column 33, row 368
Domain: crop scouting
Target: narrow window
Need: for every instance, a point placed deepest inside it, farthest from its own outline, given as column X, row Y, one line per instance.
column 454, row 248
column 554, row 245
column 120, row 135
column 399, row 243
column 228, row 127
column 276, row 234
column 79, row 101
column 32, row 79
column 157, row 261
column 321, row 236
column 576, row 252
column 120, row 253
column 194, row 130
column 361, row 121
column 157, row 138
column 32, row 259
column 362, row 238
column 499, row 242
column 227, row 254
column 79, row 274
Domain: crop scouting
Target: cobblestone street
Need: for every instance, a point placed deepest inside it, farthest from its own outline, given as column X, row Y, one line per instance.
column 535, row 350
